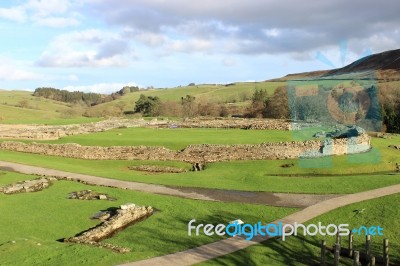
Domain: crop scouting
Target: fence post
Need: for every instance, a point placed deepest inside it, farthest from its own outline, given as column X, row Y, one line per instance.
column 372, row 261
column 337, row 254
column 368, row 246
column 386, row 252
column 351, row 244
column 338, row 238
column 323, row 253
column 356, row 258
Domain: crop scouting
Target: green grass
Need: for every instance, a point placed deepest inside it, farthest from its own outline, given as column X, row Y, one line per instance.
column 343, row 174
column 37, row 108
column 382, row 211
column 217, row 94
column 175, row 138
column 44, row 217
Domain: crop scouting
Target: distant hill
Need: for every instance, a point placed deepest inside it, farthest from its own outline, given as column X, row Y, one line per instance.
column 302, row 75
column 389, row 60
column 385, row 65
column 22, row 106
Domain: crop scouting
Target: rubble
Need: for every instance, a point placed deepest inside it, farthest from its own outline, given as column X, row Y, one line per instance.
column 157, row 169
column 89, row 195
column 27, row 186
column 121, row 218
column 201, row 153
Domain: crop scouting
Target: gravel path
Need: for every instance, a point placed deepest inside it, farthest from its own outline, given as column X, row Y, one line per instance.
column 229, row 245
column 266, row 198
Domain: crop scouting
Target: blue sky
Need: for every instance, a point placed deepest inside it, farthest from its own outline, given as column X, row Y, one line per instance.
column 102, row 45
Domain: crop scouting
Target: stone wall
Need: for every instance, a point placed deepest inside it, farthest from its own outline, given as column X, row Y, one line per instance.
column 43, row 132
column 200, row 153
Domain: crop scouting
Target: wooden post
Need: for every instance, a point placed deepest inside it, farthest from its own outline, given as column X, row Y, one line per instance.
column 337, row 254
column 368, row 246
column 338, row 238
column 372, row 261
column 351, row 244
column 356, row 258
column 386, row 252
column 323, row 253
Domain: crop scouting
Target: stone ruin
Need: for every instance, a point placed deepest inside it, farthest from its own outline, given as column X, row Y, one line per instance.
column 27, row 186
column 89, row 195
column 118, row 220
column 201, row 153
column 45, row 132
column 157, row 169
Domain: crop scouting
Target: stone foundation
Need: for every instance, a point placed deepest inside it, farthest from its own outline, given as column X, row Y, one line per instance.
column 43, row 132
column 27, row 186
column 124, row 217
column 203, row 153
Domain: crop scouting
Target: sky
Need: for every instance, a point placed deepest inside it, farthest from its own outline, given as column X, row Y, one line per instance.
column 103, row 45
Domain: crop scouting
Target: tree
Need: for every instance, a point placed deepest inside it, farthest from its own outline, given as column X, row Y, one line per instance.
column 148, row 106
column 259, row 102
column 188, row 105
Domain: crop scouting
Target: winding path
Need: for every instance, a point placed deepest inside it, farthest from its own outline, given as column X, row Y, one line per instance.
column 266, row 198
column 229, row 245
column 219, row 248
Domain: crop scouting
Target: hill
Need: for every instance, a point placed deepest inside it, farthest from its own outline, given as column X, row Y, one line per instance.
column 22, row 107
column 383, row 66
column 389, row 60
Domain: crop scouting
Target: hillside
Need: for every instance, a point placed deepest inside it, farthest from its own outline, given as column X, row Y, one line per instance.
column 22, row 107
column 235, row 94
column 383, row 66
column 389, row 60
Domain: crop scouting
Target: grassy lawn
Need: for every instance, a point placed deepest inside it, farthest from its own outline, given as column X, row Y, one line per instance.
column 382, row 211
column 36, row 220
column 337, row 174
column 176, row 138
column 235, row 175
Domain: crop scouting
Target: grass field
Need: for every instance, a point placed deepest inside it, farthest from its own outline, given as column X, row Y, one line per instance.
column 40, row 110
column 175, row 138
column 382, row 211
column 215, row 93
column 35, row 221
column 338, row 174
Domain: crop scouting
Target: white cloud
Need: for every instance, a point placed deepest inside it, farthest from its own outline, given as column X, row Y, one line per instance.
column 16, row 14
column 57, row 22
column 51, row 13
column 89, row 48
column 256, row 27
column 105, row 88
column 188, row 46
column 48, row 7
column 150, row 39
column 11, row 71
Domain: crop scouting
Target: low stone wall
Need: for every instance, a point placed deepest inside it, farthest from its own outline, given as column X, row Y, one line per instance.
column 242, row 123
column 43, row 132
column 200, row 153
column 123, row 218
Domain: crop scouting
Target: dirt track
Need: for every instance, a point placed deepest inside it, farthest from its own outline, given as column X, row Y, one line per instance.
column 266, row 198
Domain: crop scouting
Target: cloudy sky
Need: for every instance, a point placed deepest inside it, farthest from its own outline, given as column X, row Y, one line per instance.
column 101, row 45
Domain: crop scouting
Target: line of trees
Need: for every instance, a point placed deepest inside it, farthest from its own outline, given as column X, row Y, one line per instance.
column 87, row 98
column 188, row 106
column 274, row 106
